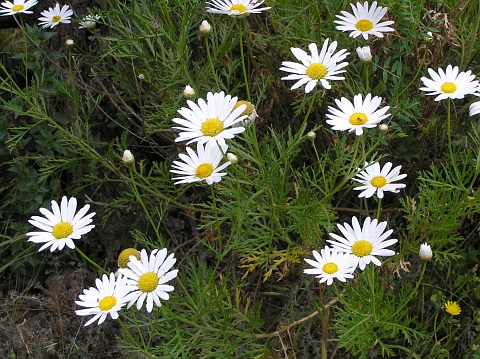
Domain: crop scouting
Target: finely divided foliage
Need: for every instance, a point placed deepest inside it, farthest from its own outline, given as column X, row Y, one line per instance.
column 176, row 97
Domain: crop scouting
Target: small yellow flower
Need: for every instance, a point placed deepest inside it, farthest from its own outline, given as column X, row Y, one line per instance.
column 452, row 308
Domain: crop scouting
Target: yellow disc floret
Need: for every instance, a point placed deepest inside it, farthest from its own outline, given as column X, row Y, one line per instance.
column 364, row 25
column 62, row 230
column 123, row 257
column 452, row 308
column 107, row 303
column 16, row 8
column 212, row 127
column 240, row 8
column 358, row 119
column 449, row 87
column 378, row 181
column 362, row 248
column 204, row 170
column 148, row 282
column 316, row 71
column 248, row 111
column 56, row 18
column 330, row 268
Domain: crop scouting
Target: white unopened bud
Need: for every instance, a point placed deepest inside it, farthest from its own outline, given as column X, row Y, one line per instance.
column 232, row 158
column 429, row 36
column 205, row 27
column 127, row 158
column 383, row 127
column 141, row 77
column 364, row 54
column 311, row 135
column 89, row 22
column 69, row 42
column 425, row 252
column 188, row 92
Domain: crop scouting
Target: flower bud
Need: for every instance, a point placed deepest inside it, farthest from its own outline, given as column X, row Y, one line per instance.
column 124, row 257
column 127, row 158
column 249, row 111
column 205, row 28
column 141, row 77
column 232, row 158
column 364, row 54
column 383, row 127
column 311, row 135
column 69, row 42
column 425, row 252
column 429, row 36
column 188, row 92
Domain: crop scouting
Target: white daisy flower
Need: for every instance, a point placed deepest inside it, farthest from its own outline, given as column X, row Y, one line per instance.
column 16, row 7
column 250, row 112
column 364, row 243
column 89, row 22
column 474, row 108
column 109, row 296
column 200, row 166
column 379, row 180
column 55, row 15
column 330, row 265
column 364, row 21
column 316, row 67
column 147, row 277
column 61, row 225
column 449, row 84
column 236, row 8
column 357, row 115
column 210, row 121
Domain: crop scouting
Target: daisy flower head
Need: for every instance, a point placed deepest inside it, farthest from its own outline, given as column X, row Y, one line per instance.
column 450, row 83
column 474, row 108
column 362, row 113
column 316, row 67
column 124, row 257
column 61, row 225
column 452, row 308
column 236, row 8
column 330, row 264
column 16, row 7
column 375, row 179
column 203, row 165
column 364, row 21
column 89, row 22
column 250, row 112
column 211, row 120
column 364, row 243
column 107, row 298
column 147, row 277
column 55, row 15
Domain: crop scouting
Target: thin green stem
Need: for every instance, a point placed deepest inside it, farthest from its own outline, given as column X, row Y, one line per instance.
column 412, row 293
column 210, row 60
column 379, row 208
column 367, row 79
column 449, row 135
column 140, row 200
column 91, row 261
column 244, row 68
column 217, row 224
column 310, row 108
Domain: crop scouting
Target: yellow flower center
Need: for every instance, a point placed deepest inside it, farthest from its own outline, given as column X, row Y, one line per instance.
column 362, row 248
column 123, row 257
column 204, row 170
column 358, row 119
column 364, row 25
column 239, row 8
column 56, row 18
column 107, row 303
column 212, row 127
column 148, row 282
column 452, row 308
column 330, row 268
column 62, row 230
column 316, row 71
column 378, row 181
column 16, row 8
column 449, row 87
column 248, row 111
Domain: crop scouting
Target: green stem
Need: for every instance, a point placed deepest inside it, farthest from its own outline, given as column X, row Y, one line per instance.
column 244, row 69
column 91, row 261
column 140, row 200
column 371, row 273
column 367, row 84
column 210, row 60
column 379, row 208
column 449, row 135
column 309, row 111
column 412, row 293
column 217, row 224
